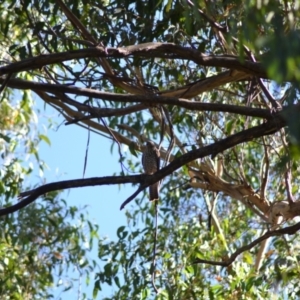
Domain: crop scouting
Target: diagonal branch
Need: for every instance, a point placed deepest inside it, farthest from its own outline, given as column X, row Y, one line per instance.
column 209, row 19
column 145, row 180
column 207, row 84
column 69, row 114
column 288, row 230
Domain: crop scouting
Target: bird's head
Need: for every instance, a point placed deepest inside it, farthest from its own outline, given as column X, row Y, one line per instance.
column 150, row 144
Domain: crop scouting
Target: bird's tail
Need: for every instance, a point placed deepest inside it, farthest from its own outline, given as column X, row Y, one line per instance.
column 153, row 191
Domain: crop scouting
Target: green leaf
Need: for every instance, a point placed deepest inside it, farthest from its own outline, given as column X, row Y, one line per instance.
column 120, row 231
column 45, row 139
column 117, row 281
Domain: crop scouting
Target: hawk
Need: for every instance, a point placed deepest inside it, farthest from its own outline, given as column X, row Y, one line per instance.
column 151, row 164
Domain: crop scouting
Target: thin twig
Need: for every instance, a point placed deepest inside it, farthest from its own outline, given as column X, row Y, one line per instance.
column 264, row 171
column 172, row 137
column 288, row 172
column 116, row 140
column 86, row 152
column 163, row 125
column 276, row 105
column 129, row 199
column 153, row 267
column 210, row 20
column 288, row 179
column 5, row 82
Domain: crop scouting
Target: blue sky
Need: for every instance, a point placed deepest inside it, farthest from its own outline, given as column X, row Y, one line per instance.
column 65, row 159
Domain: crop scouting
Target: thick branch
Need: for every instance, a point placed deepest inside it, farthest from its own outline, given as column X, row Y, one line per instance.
column 32, row 195
column 160, row 50
column 270, row 127
column 147, row 99
column 145, row 180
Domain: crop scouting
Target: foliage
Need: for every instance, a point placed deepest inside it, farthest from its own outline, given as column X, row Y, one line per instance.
column 40, row 243
column 44, row 239
column 221, row 77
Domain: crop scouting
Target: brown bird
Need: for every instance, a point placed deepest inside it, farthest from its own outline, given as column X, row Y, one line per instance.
column 151, row 164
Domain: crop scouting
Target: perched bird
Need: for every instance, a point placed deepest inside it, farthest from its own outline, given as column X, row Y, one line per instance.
column 151, row 163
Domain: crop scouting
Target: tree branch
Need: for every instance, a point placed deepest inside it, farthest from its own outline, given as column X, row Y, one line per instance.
column 288, row 184
column 32, row 195
column 96, row 112
column 145, row 180
column 288, row 230
column 159, row 50
column 129, row 199
column 147, row 99
column 210, row 20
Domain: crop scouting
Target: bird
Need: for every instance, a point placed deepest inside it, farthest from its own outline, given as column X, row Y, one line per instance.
column 151, row 164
